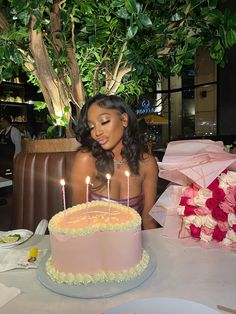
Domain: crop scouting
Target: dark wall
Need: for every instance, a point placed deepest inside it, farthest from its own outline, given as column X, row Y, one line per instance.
column 227, row 96
column 227, row 89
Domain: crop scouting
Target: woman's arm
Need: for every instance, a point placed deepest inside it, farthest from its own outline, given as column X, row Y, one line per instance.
column 149, row 188
column 83, row 166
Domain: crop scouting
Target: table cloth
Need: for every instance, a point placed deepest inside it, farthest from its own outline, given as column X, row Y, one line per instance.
column 206, row 276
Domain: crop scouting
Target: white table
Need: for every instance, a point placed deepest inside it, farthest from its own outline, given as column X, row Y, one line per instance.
column 4, row 182
column 200, row 275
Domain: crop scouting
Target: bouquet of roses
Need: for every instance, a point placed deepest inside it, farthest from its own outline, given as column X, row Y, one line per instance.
column 210, row 213
column 200, row 200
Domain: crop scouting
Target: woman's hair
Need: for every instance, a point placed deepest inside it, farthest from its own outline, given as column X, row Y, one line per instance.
column 133, row 147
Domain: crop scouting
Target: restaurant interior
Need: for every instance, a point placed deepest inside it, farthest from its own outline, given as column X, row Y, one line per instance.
column 182, row 276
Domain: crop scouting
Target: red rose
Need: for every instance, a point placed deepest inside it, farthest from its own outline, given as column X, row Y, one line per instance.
column 219, row 194
column 219, row 214
column 195, row 231
column 183, row 200
column 212, row 203
column 218, row 235
column 189, row 210
column 234, row 228
column 214, row 185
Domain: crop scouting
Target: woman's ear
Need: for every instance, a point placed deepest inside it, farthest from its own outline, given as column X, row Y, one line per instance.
column 124, row 119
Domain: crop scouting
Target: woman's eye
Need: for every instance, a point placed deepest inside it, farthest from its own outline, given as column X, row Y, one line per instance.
column 105, row 122
column 91, row 128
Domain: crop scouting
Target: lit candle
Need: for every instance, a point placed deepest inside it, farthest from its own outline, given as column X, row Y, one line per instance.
column 62, row 182
column 87, row 188
column 108, row 176
column 127, row 175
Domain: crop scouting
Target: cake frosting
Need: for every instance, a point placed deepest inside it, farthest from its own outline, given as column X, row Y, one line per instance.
column 95, row 242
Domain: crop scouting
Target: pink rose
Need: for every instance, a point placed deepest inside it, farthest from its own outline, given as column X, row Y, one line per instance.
column 207, row 231
column 214, row 185
column 202, row 211
column 219, row 214
column 235, row 210
column 212, row 203
column 191, row 202
column 218, row 235
column 226, row 207
column 190, row 192
column 223, row 225
column 195, row 231
column 189, row 210
column 219, row 194
column 234, row 228
column 230, row 196
column 183, row 200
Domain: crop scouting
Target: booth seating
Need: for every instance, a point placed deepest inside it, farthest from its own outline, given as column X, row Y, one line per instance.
column 37, row 193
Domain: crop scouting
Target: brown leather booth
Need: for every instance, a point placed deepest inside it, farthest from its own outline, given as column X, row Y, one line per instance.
column 37, row 192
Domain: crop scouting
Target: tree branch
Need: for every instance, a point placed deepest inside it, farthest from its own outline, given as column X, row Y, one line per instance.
column 3, row 23
column 122, row 72
column 51, row 87
column 114, row 76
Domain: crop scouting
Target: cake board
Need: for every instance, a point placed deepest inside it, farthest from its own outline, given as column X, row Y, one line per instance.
column 97, row 290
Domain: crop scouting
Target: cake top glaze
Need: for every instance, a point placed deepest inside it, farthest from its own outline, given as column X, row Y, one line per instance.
column 94, row 216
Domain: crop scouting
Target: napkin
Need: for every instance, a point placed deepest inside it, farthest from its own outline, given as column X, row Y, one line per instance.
column 7, row 294
column 11, row 259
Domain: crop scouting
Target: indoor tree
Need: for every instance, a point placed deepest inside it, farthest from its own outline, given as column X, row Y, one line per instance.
column 73, row 49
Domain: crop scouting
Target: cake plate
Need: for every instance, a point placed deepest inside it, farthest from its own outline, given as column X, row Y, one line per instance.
column 97, row 290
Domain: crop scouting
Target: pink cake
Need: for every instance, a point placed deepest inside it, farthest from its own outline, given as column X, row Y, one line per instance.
column 97, row 241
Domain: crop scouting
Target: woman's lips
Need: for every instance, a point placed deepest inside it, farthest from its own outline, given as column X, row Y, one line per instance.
column 102, row 141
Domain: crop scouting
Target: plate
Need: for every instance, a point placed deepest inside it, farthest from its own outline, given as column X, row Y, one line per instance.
column 24, row 233
column 161, row 306
column 98, row 290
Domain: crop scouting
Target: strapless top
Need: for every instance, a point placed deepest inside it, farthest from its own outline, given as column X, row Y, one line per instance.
column 134, row 202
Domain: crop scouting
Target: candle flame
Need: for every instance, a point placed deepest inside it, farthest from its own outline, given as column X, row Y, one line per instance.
column 108, row 176
column 87, row 180
column 62, row 182
column 127, row 173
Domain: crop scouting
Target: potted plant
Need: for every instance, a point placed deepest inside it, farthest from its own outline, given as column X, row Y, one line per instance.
column 73, row 49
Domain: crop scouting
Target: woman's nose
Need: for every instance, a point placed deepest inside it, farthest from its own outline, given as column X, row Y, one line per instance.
column 98, row 131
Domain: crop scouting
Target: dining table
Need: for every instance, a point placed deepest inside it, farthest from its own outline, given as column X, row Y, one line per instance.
column 197, row 274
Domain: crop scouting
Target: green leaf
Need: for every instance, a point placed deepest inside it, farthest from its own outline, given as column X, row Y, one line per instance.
column 123, row 13
column 66, row 109
column 131, row 6
column 231, row 38
column 176, row 68
column 121, row 88
column 132, row 31
column 145, row 20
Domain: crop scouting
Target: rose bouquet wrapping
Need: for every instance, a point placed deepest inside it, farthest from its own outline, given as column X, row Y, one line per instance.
column 200, row 202
column 209, row 213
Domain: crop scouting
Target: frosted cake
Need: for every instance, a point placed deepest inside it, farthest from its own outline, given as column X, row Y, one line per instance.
column 96, row 242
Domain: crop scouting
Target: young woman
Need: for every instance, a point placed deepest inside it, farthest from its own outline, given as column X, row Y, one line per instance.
column 111, row 144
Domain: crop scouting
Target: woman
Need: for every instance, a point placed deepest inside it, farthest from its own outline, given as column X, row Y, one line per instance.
column 108, row 133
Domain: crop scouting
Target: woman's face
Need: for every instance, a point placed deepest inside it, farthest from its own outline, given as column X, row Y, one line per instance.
column 106, row 126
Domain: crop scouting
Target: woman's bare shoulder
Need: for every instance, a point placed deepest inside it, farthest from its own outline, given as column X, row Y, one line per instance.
column 149, row 159
column 149, row 163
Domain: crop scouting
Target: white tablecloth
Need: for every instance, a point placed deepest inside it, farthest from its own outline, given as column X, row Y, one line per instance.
column 200, row 275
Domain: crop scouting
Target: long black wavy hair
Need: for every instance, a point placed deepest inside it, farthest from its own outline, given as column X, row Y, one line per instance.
column 133, row 148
